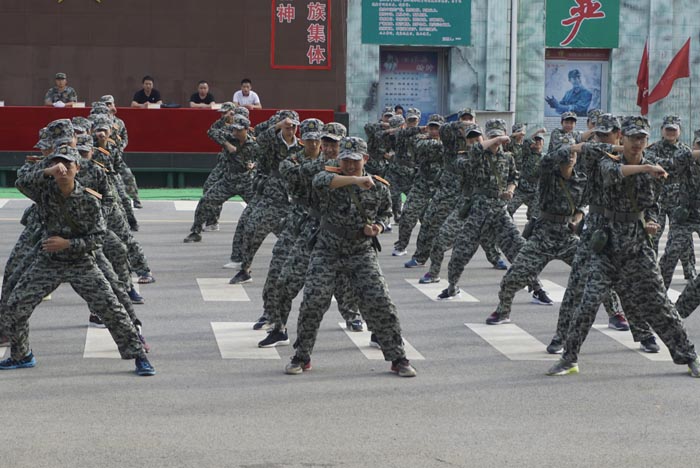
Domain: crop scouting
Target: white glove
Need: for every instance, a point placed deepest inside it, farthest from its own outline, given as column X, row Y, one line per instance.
column 59, row 104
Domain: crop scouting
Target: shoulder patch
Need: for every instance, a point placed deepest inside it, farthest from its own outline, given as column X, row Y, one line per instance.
column 383, row 181
column 111, row 141
column 335, row 170
column 102, row 150
column 94, row 193
column 612, row 156
column 100, row 165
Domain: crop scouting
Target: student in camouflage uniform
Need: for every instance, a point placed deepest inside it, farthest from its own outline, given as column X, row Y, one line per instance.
column 589, row 157
column 60, row 95
column 561, row 193
column 270, row 205
column 494, row 178
column 401, row 168
column 376, row 143
column 626, row 258
column 235, row 179
column 527, row 153
column 429, row 157
column 663, row 153
column 566, row 135
column 73, row 230
column 355, row 211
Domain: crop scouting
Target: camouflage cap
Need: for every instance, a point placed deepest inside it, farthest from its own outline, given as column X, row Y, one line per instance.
column 388, row 110
column 61, row 132
column 107, row 99
column 519, row 127
column 465, row 111
column 99, row 107
column 44, row 139
column 606, row 123
column 334, row 131
column 593, row 115
column 311, row 129
column 81, row 124
column 413, row 113
column 352, row 148
column 60, row 76
column 436, row 119
column 84, row 142
column 227, row 106
column 65, row 152
column 537, row 136
column 635, row 125
column 100, row 122
column 696, row 136
column 472, row 130
column 240, row 110
column 286, row 113
column 396, row 121
column 672, row 122
column 240, row 122
column 495, row 127
column 568, row 115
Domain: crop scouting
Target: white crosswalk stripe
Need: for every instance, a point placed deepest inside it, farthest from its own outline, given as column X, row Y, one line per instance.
column 673, row 294
column 432, row 290
column 625, row 338
column 513, row 342
column 238, row 340
column 99, row 344
column 361, row 340
column 185, row 205
column 554, row 291
column 3, row 350
column 3, row 201
column 218, row 289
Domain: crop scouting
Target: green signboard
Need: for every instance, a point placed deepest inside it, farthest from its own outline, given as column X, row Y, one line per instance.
column 416, row 22
column 583, row 23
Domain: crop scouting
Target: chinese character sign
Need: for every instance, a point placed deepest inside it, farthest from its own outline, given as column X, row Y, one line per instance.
column 301, row 34
column 583, row 23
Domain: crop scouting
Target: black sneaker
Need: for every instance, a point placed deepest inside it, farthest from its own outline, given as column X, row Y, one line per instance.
column 135, row 297
column 297, row 366
column 241, row 277
column 403, row 367
column 134, row 226
column 137, row 204
column 648, row 345
column 374, row 342
column 25, row 362
column 275, row 337
column 96, row 321
column 262, row 323
column 563, row 367
column 193, row 237
column 540, row 297
column 497, row 319
column 618, row 322
column 142, row 339
column 144, row 367
column 555, row 346
column 694, row 368
column 354, row 325
column 448, row 294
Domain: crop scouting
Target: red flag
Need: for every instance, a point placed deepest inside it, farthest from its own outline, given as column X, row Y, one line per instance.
column 678, row 68
column 643, row 82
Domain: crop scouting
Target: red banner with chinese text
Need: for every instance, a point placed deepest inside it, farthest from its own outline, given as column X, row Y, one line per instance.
column 301, row 35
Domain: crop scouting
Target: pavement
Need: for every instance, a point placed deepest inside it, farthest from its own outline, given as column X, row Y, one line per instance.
column 481, row 397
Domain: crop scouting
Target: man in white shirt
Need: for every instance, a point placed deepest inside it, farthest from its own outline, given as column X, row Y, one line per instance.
column 246, row 97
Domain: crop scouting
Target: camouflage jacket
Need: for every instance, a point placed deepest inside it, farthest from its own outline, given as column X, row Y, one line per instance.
column 67, row 95
column 430, row 159
column 237, row 162
column 120, row 134
column 528, row 165
column 405, row 150
column 274, row 150
column 559, row 137
column 662, row 152
column 558, row 195
column 375, row 141
column 218, row 132
column 644, row 189
column 589, row 163
column 685, row 171
column 481, row 169
column 77, row 217
column 94, row 176
column 298, row 171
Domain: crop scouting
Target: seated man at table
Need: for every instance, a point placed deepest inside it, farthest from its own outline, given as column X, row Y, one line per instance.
column 147, row 95
column 246, row 97
column 202, row 98
column 61, row 95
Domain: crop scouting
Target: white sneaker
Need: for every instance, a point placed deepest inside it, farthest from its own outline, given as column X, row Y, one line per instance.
column 211, row 228
column 232, row 266
column 398, row 253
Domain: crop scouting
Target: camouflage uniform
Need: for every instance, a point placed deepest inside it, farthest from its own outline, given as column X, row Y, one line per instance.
column 78, row 219
column 401, row 168
column 67, row 95
column 559, row 137
column 628, row 261
column 429, row 157
column 377, row 147
column 527, row 162
column 342, row 248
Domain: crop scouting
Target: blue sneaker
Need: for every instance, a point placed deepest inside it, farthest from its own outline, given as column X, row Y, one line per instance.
column 413, row 263
column 428, row 278
column 144, row 367
column 135, row 297
column 26, row 361
column 500, row 265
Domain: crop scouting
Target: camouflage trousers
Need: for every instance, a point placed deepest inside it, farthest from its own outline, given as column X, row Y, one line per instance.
column 237, row 241
column 679, row 245
column 487, row 218
column 132, row 190
column 578, row 277
column 20, row 258
column 628, row 262
column 529, row 199
column 686, row 252
column 124, row 200
column 118, row 255
column 445, row 240
column 119, row 288
column 549, row 241
column 416, row 203
column 437, row 211
column 214, row 176
column 290, row 279
column 401, row 180
column 116, row 222
column 266, row 216
column 209, row 206
column 369, row 287
column 42, row 278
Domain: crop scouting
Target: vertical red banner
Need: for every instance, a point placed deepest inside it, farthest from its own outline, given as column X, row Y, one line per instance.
column 300, row 35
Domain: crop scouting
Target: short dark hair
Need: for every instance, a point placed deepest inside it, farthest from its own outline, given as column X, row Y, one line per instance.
column 147, row 78
column 202, row 82
column 397, row 107
column 246, row 80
